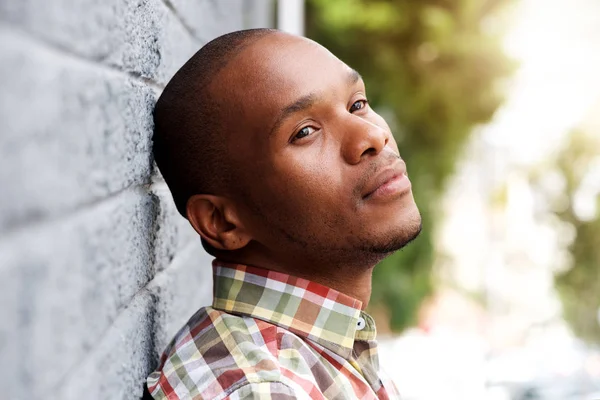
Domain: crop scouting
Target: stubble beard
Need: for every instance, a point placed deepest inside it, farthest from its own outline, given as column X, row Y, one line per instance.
column 359, row 252
column 393, row 243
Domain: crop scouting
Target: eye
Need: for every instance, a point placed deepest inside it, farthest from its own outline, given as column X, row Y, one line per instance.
column 358, row 105
column 304, row 132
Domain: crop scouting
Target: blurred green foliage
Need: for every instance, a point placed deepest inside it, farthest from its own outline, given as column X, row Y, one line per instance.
column 433, row 68
column 579, row 284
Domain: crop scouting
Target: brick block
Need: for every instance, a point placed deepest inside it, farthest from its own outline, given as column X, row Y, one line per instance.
column 62, row 284
column 141, row 37
column 71, row 133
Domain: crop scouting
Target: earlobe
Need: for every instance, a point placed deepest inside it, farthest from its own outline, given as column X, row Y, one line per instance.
column 215, row 219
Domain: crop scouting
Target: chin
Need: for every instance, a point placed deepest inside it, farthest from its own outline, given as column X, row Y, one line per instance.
column 398, row 235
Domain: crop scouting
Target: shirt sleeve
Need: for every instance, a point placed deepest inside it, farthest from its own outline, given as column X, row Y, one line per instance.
column 267, row 391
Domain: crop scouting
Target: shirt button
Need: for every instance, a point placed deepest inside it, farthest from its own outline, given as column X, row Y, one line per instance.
column 360, row 324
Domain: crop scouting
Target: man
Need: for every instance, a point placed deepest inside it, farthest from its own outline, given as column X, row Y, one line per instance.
column 296, row 186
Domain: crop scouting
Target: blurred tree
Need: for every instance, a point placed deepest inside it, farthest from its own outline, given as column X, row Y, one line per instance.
column 578, row 285
column 433, row 68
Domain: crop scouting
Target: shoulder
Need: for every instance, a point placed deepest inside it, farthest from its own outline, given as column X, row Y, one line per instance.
column 217, row 355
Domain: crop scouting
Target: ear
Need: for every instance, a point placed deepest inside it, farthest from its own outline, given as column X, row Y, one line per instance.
column 216, row 220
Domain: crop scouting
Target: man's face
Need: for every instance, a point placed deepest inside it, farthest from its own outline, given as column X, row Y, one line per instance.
column 319, row 175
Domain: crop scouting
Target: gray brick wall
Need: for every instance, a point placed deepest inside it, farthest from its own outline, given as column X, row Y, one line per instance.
column 97, row 269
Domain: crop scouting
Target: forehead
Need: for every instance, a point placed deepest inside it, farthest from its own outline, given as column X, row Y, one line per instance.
column 278, row 69
column 286, row 60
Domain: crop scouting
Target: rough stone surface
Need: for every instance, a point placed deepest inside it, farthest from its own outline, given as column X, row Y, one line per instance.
column 141, row 37
column 71, row 133
column 217, row 24
column 120, row 360
column 63, row 283
column 97, row 269
column 259, row 13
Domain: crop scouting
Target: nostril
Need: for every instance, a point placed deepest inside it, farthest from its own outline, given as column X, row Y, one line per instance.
column 370, row 150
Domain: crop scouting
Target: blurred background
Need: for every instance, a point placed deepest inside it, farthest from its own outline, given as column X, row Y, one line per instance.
column 495, row 105
column 496, row 108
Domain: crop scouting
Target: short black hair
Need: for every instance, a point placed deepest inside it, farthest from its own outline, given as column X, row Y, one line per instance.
column 188, row 140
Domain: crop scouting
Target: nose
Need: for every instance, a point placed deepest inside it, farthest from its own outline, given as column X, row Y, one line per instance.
column 362, row 139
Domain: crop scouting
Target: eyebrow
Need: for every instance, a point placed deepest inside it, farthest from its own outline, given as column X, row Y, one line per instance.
column 354, row 76
column 303, row 103
column 306, row 102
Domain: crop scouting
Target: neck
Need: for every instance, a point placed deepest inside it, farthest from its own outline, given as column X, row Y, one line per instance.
column 353, row 283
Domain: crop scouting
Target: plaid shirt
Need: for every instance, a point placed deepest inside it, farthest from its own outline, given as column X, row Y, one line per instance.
column 269, row 335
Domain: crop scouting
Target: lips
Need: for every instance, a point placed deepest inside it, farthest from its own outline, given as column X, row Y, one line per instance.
column 388, row 177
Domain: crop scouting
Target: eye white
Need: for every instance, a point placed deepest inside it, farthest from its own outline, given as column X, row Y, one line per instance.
column 304, row 132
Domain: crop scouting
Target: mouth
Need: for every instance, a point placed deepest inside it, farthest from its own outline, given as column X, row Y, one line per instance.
column 389, row 183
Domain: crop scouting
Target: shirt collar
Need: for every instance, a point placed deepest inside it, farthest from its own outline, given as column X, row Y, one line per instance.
column 321, row 314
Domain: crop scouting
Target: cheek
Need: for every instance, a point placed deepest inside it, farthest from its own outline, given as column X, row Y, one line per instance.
column 311, row 180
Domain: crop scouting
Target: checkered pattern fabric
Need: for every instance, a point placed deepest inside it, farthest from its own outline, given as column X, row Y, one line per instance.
column 272, row 336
